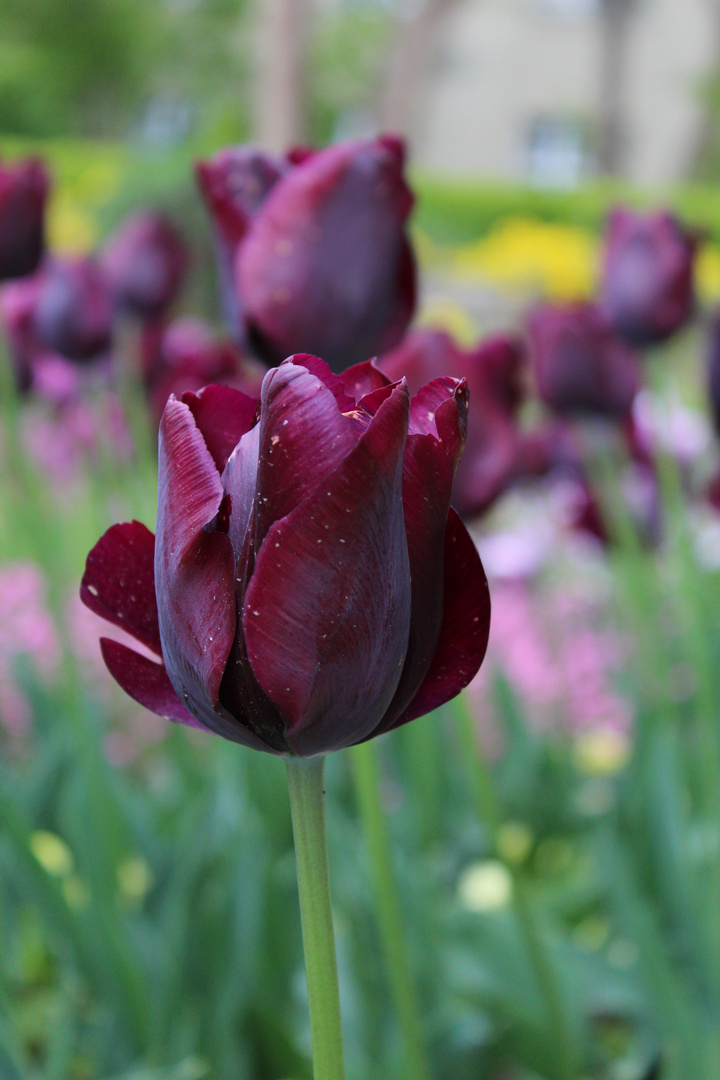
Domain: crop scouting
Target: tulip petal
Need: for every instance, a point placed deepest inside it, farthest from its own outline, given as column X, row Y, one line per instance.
column 327, row 377
column 145, row 681
column 148, row 684
column 465, row 625
column 429, row 467
column 194, row 568
column 327, row 610
column 222, row 416
column 362, row 379
column 303, row 438
column 119, row 582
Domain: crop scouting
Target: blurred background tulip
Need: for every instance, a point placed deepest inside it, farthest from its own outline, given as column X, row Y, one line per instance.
column 647, row 285
column 73, row 313
column 321, row 262
column 24, row 189
column 145, row 263
column 580, row 366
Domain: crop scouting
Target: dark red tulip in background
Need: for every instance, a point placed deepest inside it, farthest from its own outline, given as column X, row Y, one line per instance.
column 24, row 189
column 580, row 366
column 309, row 586
column 493, row 370
column 321, row 259
column 145, row 263
column 74, row 309
column 185, row 355
column 647, row 279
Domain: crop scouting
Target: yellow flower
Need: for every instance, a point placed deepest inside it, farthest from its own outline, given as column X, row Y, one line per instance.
column 602, row 752
column 485, row 886
column 514, row 841
column 52, row 853
column 707, row 273
column 560, row 261
column 71, row 229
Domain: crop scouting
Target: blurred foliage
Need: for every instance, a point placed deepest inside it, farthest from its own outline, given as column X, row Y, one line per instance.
column 167, row 71
column 110, row 68
column 348, row 58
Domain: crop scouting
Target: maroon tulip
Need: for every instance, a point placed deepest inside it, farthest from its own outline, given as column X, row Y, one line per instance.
column 185, row 356
column 493, row 371
column 580, row 366
column 309, row 586
column 74, row 310
column 145, row 263
column 647, row 287
column 24, row 189
column 321, row 259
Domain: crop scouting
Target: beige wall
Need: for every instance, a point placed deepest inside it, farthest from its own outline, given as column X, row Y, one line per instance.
column 503, row 63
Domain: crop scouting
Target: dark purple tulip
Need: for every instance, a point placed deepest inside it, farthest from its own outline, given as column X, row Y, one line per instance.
column 186, row 356
column 36, row 368
column 74, row 311
column 580, row 366
column 145, row 263
column 493, row 370
column 309, row 586
column 24, row 189
column 647, row 280
column 322, row 262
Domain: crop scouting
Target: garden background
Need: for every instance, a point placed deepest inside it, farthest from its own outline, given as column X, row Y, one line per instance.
column 555, row 831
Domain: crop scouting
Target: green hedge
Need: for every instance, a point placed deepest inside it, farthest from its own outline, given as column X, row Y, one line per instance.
column 453, row 211
column 450, row 211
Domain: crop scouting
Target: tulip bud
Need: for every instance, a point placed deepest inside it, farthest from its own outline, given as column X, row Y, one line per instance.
column 580, row 366
column 74, row 311
column 493, row 370
column 309, row 586
column 321, row 259
column 185, row 356
column 24, row 189
column 647, row 280
column 145, row 263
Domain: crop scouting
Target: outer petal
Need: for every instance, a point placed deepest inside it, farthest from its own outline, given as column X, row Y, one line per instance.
column 145, row 681
column 465, row 625
column 194, row 571
column 222, row 415
column 119, row 582
column 327, row 610
column 428, row 470
column 303, row 438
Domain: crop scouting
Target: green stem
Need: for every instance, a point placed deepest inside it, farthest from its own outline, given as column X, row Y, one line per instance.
column 367, row 786
column 307, row 802
column 489, row 810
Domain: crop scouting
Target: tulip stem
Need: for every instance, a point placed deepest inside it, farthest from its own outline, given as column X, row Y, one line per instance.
column 490, row 812
column 367, row 786
column 307, row 801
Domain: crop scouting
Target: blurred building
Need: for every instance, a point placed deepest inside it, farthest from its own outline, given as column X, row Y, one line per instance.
column 521, row 89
